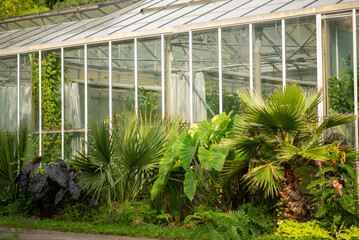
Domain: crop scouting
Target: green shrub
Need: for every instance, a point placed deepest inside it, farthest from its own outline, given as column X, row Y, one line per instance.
column 351, row 233
column 290, row 229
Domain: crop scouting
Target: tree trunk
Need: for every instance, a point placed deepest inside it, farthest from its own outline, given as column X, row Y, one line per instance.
column 295, row 203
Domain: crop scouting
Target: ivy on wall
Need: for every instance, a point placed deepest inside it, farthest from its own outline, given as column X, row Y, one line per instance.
column 50, row 102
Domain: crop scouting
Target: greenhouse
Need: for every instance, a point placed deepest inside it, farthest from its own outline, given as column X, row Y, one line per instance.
column 61, row 69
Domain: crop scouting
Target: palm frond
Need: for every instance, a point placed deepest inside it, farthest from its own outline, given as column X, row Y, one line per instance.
column 266, row 177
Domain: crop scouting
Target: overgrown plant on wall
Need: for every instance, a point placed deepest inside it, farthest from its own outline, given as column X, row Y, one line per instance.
column 50, row 102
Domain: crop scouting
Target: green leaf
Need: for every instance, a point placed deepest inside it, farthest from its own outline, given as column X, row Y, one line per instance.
column 190, row 184
column 217, row 157
column 187, row 149
column 203, row 156
column 324, row 170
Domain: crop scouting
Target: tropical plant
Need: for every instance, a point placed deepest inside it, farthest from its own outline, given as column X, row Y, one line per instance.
column 57, row 180
column 194, row 154
column 16, row 150
column 243, row 223
column 290, row 229
column 118, row 164
column 275, row 136
column 336, row 190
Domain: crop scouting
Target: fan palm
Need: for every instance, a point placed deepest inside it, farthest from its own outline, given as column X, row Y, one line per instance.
column 275, row 136
column 117, row 165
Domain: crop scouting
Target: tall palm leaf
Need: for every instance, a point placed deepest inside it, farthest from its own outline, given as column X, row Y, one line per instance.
column 279, row 135
column 118, row 164
column 16, row 150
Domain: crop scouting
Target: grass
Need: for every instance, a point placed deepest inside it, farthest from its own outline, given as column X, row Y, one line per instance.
column 144, row 230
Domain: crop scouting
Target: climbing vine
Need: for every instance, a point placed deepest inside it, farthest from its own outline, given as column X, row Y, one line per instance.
column 50, row 102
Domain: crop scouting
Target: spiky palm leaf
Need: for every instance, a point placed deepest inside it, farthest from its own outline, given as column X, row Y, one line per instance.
column 117, row 165
column 16, row 150
column 281, row 129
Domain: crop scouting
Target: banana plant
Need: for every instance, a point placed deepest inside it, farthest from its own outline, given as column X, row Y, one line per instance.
column 194, row 151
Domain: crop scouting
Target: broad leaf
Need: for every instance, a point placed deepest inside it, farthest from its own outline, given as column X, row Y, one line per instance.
column 74, row 189
column 190, row 184
column 37, row 184
column 59, row 195
column 187, row 149
column 204, row 158
column 217, row 157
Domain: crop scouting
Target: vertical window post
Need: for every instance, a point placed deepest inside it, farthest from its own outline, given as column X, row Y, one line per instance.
column 220, row 80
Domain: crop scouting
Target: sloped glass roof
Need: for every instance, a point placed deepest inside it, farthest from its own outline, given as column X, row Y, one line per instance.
column 122, row 17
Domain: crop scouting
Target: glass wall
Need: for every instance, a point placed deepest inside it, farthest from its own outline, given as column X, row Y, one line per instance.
column 301, row 51
column 8, row 92
column 28, row 112
column 235, row 66
column 267, row 56
column 149, row 76
column 205, row 75
column 236, row 48
column 338, row 57
column 74, row 100
column 178, row 84
column 123, row 77
column 98, row 82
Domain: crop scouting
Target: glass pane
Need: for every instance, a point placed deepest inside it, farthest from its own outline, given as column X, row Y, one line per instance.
column 301, row 51
column 74, row 142
column 74, row 100
column 235, row 65
column 51, row 105
column 205, row 75
column 8, row 92
column 98, row 82
column 149, row 76
column 123, row 77
column 28, row 109
column 267, row 56
column 177, row 77
column 338, row 52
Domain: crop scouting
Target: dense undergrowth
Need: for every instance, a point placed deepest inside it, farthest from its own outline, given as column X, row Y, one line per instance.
column 265, row 174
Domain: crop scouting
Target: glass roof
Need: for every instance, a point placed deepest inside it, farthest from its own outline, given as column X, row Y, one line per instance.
column 126, row 16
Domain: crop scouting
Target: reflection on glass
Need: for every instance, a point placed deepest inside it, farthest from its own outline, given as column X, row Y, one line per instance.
column 123, row 77
column 205, row 75
column 28, row 115
column 8, row 92
column 98, row 82
column 338, row 42
column 267, row 56
column 301, row 51
column 149, row 76
column 177, row 77
column 74, row 100
column 235, row 65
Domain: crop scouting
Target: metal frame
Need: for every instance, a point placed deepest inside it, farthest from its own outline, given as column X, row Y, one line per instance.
column 62, row 104
column 18, row 94
column 188, row 27
column 86, row 96
column 319, row 64
column 284, row 64
column 163, row 75
column 190, row 76
column 220, row 70
column 110, row 83
column 40, row 104
column 136, row 75
column 251, row 85
column 355, row 73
